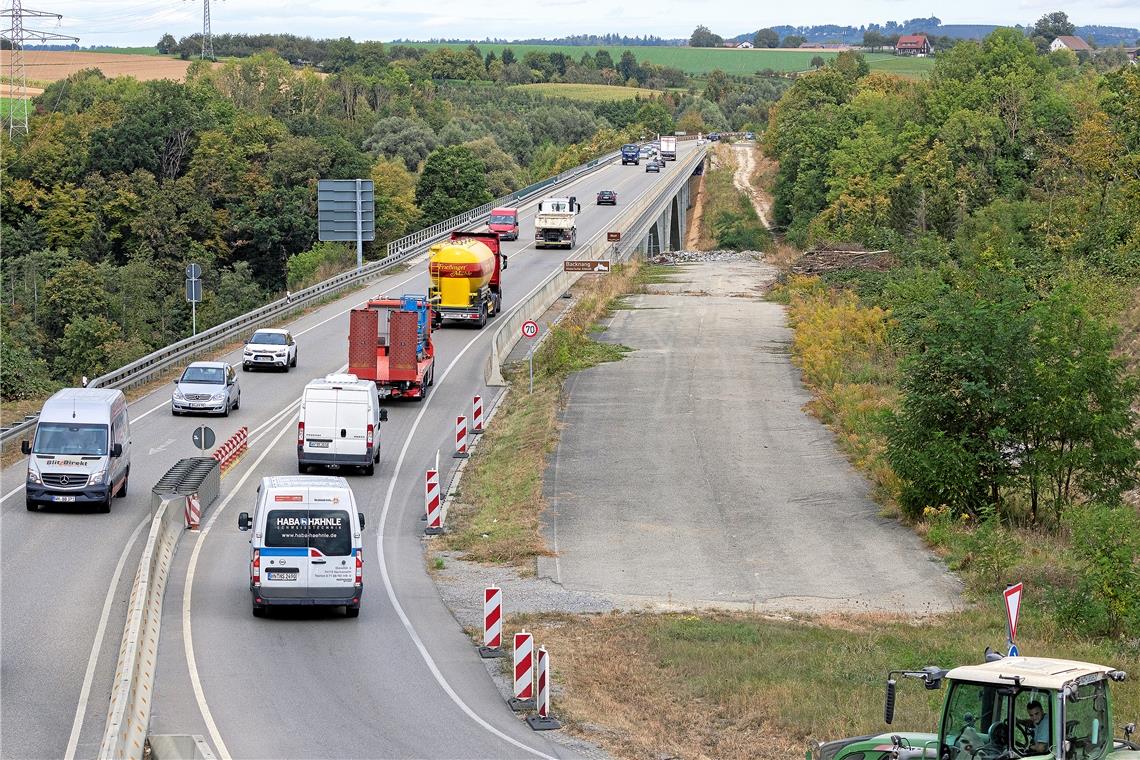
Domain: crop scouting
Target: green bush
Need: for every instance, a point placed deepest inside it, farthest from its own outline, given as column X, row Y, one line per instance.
column 22, row 375
column 1106, row 549
column 306, row 268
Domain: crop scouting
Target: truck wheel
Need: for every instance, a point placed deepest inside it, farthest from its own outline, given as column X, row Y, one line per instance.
column 482, row 317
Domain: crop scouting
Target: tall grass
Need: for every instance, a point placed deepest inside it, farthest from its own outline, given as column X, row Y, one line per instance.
column 728, row 219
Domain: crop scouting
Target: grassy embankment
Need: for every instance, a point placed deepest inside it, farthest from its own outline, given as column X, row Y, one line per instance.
column 704, row 60
column 736, row 685
column 728, row 220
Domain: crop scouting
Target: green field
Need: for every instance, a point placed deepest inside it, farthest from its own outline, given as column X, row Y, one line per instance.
column 704, row 60
column 6, row 105
column 151, row 50
column 588, row 92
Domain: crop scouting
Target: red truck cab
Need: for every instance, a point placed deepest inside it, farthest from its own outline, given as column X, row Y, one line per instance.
column 505, row 223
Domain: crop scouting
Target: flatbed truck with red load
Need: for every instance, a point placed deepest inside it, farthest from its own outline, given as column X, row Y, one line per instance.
column 389, row 342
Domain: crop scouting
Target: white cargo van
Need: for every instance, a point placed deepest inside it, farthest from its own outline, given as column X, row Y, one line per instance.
column 81, row 453
column 339, row 424
column 306, row 544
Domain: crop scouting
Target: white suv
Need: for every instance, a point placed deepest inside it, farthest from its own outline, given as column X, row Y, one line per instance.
column 270, row 348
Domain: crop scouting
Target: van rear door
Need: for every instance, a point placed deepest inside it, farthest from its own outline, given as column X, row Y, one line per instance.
column 320, row 420
column 333, row 551
column 352, row 419
column 285, row 553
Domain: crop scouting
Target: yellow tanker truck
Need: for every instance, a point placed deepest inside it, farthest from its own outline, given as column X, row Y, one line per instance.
column 465, row 278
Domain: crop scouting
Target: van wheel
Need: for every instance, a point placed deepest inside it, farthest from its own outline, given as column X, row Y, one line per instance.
column 302, row 468
column 369, row 469
column 258, row 610
column 352, row 612
column 122, row 492
column 105, row 505
column 32, row 506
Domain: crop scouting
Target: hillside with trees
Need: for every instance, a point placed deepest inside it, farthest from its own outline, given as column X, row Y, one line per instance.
column 982, row 375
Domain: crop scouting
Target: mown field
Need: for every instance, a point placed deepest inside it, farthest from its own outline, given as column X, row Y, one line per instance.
column 704, row 60
column 45, row 66
column 588, row 92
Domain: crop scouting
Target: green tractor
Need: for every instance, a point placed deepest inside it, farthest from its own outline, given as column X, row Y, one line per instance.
column 1005, row 708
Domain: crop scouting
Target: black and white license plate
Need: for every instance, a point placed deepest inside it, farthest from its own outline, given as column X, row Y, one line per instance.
column 319, row 444
column 63, row 498
column 198, row 404
column 280, row 576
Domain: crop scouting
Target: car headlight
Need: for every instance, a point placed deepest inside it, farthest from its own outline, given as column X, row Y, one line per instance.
column 281, row 352
column 96, row 477
column 217, row 397
column 178, row 396
column 34, row 477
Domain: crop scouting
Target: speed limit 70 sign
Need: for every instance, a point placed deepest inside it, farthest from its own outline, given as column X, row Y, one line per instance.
column 530, row 328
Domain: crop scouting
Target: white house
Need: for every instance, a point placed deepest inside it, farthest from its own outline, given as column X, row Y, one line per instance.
column 745, row 45
column 1068, row 42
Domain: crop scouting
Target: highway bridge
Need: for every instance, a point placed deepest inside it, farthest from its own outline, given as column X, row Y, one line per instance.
column 401, row 680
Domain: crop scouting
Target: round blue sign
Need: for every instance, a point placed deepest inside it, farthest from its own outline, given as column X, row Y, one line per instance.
column 1013, row 651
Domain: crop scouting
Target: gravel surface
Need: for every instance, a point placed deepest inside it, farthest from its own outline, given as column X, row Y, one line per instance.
column 700, row 257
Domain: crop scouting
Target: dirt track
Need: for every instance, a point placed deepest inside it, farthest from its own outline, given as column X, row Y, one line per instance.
column 742, row 181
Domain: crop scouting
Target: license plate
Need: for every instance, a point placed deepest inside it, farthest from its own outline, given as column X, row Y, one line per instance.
column 263, row 358
column 197, row 404
column 63, row 498
column 281, row 576
column 318, row 444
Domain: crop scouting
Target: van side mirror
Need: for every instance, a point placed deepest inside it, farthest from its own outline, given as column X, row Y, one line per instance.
column 25, row 447
column 243, row 521
column 360, row 516
column 504, row 258
column 117, row 450
column 383, row 415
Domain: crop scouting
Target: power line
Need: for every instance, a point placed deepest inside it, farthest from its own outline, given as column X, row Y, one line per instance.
column 18, row 75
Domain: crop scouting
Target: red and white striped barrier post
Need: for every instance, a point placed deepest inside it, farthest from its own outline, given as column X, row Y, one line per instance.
column 492, row 622
column 461, row 438
column 544, row 721
column 477, row 416
column 193, row 512
column 228, row 453
column 524, row 673
column 432, row 504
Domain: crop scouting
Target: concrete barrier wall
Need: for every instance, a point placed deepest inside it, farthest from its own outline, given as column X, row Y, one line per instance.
column 129, row 712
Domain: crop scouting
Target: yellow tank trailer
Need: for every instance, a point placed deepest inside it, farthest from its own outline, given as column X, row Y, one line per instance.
column 465, row 277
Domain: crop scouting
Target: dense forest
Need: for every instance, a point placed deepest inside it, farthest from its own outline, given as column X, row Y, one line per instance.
column 992, row 373
column 120, row 183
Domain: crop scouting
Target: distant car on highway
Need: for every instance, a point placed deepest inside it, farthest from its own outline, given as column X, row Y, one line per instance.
column 209, row 387
column 653, row 166
column 714, row 136
column 269, row 348
column 749, row 136
column 607, row 198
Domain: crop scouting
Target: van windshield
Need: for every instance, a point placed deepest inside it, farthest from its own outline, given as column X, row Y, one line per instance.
column 70, row 438
column 502, row 219
column 329, row 531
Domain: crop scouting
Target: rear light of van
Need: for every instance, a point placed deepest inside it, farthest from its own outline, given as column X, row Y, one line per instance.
column 301, row 433
column 359, row 569
column 371, row 434
column 255, row 569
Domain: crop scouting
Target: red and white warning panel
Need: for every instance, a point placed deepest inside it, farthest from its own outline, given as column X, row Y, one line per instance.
column 544, row 721
column 461, row 438
column 524, row 672
column 477, row 415
column 432, row 503
column 493, row 617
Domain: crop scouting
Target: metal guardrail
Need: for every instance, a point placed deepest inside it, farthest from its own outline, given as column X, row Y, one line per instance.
column 142, row 370
column 640, row 216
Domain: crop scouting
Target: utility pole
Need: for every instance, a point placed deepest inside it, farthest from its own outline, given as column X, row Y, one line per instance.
column 207, row 37
column 17, row 73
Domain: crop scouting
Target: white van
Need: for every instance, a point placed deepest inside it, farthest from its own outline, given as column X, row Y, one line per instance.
column 339, row 424
column 81, row 453
column 306, row 544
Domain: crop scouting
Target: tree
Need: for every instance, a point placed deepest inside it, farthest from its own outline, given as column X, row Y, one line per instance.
column 1054, row 25
column 508, row 57
column 717, row 86
column 237, row 292
column 409, row 139
column 817, row 62
column 83, row 350
column 766, row 38
column 453, row 181
column 792, row 41
column 873, row 39
column 628, row 67
column 656, row 117
column 74, row 292
column 703, row 37
column 167, row 45
column 603, row 60
column 395, row 190
column 503, row 174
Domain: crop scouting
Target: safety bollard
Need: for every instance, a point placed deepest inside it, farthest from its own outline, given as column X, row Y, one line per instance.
column 460, row 438
column 432, row 504
column 193, row 512
column 544, row 721
column 524, row 673
column 492, row 623
column 477, row 416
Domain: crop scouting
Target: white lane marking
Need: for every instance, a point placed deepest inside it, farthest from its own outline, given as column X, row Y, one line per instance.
column 97, row 645
column 188, row 587
column 13, row 492
column 427, row 658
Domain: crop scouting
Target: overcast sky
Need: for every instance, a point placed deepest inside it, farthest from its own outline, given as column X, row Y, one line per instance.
column 143, row 22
